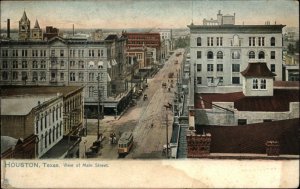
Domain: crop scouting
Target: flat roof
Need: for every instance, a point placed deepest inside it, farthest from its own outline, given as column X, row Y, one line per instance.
column 236, row 28
column 21, row 105
column 7, row 142
column 279, row 102
column 38, row 90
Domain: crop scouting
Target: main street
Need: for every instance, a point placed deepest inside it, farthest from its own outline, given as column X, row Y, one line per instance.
column 148, row 140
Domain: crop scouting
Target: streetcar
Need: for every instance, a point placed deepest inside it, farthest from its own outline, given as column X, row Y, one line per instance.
column 125, row 143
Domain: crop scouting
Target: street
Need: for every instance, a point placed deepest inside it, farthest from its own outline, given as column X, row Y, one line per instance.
column 147, row 119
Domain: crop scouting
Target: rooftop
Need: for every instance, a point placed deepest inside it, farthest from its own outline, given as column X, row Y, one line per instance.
column 279, row 102
column 37, row 90
column 21, row 105
column 7, row 142
column 251, row 138
column 257, row 70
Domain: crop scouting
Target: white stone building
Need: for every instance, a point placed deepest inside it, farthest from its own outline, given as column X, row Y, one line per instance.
column 40, row 115
column 219, row 52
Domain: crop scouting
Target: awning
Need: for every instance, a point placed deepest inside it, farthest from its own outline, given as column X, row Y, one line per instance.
column 100, row 64
column 114, row 62
column 91, row 64
column 108, row 78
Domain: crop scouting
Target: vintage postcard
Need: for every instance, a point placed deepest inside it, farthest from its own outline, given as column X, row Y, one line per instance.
column 149, row 94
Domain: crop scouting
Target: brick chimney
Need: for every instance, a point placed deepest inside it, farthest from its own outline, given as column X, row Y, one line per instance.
column 198, row 145
column 8, row 28
column 272, row 148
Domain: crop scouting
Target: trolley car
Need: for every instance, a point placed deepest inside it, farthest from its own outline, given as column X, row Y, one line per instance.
column 125, row 143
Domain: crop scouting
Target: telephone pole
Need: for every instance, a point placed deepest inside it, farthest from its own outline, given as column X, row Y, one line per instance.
column 167, row 133
column 98, row 113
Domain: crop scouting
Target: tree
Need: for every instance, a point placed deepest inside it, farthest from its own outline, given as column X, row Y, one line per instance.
column 182, row 42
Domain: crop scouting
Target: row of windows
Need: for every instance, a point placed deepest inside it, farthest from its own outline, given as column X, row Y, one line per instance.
column 253, row 41
column 73, row 103
column 236, row 55
column 54, row 115
column 50, row 136
column 235, row 67
column 41, row 76
column 234, row 80
column 53, row 52
column 42, row 64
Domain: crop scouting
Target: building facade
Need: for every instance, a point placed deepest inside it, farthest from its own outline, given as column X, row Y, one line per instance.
column 219, row 52
column 39, row 119
column 140, row 40
column 49, row 113
column 259, row 101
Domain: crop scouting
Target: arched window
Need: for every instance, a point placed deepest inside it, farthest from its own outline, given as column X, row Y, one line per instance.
column 50, row 136
column 57, row 128
column 37, row 125
column 251, row 55
column 210, row 55
column 34, row 76
column 60, row 128
column 60, row 110
column 261, row 55
column 42, row 138
column 53, row 112
column 41, row 122
column 272, row 41
column 5, row 75
column 46, row 120
column 53, row 134
column 198, row 41
column 56, row 112
column 46, row 139
column 220, row 55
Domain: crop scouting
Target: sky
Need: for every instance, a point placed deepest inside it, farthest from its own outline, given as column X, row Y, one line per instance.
column 119, row 14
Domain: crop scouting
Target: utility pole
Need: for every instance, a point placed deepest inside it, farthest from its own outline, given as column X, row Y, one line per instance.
column 167, row 154
column 167, row 133
column 99, row 99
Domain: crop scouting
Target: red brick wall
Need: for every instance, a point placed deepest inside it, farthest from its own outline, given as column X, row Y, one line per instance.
column 252, row 138
column 198, row 145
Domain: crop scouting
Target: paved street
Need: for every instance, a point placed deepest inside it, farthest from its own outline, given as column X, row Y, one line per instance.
column 148, row 141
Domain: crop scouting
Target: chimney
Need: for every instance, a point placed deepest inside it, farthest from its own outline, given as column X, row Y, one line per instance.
column 8, row 28
column 73, row 29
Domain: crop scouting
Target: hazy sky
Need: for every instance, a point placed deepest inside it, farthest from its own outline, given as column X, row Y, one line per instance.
column 149, row 14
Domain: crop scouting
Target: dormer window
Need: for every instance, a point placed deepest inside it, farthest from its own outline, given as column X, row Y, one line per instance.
column 263, row 84
column 255, row 84
column 259, row 84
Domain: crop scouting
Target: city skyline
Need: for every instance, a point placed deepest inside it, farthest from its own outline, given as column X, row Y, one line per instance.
column 146, row 14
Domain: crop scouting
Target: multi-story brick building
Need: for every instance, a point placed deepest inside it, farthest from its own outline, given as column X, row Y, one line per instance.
column 138, row 40
column 220, row 51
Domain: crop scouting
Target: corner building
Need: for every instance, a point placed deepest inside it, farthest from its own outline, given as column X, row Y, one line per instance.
column 220, row 52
